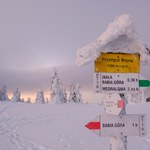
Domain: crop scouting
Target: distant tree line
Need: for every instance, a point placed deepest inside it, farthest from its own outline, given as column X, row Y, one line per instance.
column 58, row 94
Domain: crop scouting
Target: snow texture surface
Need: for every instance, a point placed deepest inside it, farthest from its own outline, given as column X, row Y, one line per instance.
column 120, row 36
column 25, row 126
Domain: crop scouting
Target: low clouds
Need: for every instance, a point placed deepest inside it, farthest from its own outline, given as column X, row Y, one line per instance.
column 30, row 81
column 27, row 80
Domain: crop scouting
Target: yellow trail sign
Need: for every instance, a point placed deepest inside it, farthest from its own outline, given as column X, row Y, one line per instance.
column 118, row 62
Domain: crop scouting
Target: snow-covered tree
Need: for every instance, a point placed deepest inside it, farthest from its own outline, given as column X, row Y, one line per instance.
column 3, row 94
column 75, row 95
column 28, row 100
column 16, row 96
column 40, row 97
column 46, row 100
column 23, row 100
column 65, row 95
column 58, row 94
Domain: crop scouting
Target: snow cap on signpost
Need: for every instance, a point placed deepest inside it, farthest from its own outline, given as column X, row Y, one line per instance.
column 120, row 36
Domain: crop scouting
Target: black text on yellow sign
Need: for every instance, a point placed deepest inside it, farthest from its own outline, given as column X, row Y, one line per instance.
column 118, row 62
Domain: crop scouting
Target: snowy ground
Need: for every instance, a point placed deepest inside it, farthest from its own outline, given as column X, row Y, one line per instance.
column 59, row 127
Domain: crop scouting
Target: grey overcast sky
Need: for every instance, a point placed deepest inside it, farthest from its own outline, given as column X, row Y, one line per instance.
column 36, row 35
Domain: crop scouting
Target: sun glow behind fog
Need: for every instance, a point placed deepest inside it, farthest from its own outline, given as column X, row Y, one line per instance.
column 88, row 96
column 24, row 95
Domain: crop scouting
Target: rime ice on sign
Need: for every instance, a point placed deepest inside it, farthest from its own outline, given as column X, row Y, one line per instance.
column 113, row 104
column 120, row 36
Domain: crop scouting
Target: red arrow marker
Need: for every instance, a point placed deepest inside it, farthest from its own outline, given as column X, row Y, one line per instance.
column 120, row 103
column 93, row 125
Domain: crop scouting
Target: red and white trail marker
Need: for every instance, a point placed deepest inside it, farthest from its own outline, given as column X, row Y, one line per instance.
column 120, row 103
column 94, row 125
column 113, row 125
column 113, row 103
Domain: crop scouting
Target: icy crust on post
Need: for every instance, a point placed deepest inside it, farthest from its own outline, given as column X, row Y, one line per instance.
column 120, row 36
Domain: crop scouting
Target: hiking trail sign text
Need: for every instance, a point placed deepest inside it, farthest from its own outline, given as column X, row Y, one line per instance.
column 113, row 125
column 116, row 82
column 118, row 62
column 117, row 73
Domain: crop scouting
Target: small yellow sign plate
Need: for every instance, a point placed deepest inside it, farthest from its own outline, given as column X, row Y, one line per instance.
column 118, row 62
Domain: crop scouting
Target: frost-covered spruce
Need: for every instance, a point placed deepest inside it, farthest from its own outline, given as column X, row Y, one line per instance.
column 3, row 94
column 64, row 95
column 40, row 97
column 58, row 94
column 16, row 96
column 28, row 100
column 75, row 95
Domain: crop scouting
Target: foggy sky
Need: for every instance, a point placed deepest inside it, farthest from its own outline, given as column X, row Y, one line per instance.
column 36, row 35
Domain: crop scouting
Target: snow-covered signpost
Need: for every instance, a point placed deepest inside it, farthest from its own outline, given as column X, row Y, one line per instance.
column 118, row 73
column 118, row 52
column 114, row 126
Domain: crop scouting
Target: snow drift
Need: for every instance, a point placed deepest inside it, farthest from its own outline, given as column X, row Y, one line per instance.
column 120, row 36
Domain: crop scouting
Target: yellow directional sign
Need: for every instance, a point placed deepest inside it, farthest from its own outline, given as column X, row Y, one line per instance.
column 118, row 62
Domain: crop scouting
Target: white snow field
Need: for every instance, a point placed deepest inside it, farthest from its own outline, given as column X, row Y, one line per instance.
column 26, row 126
